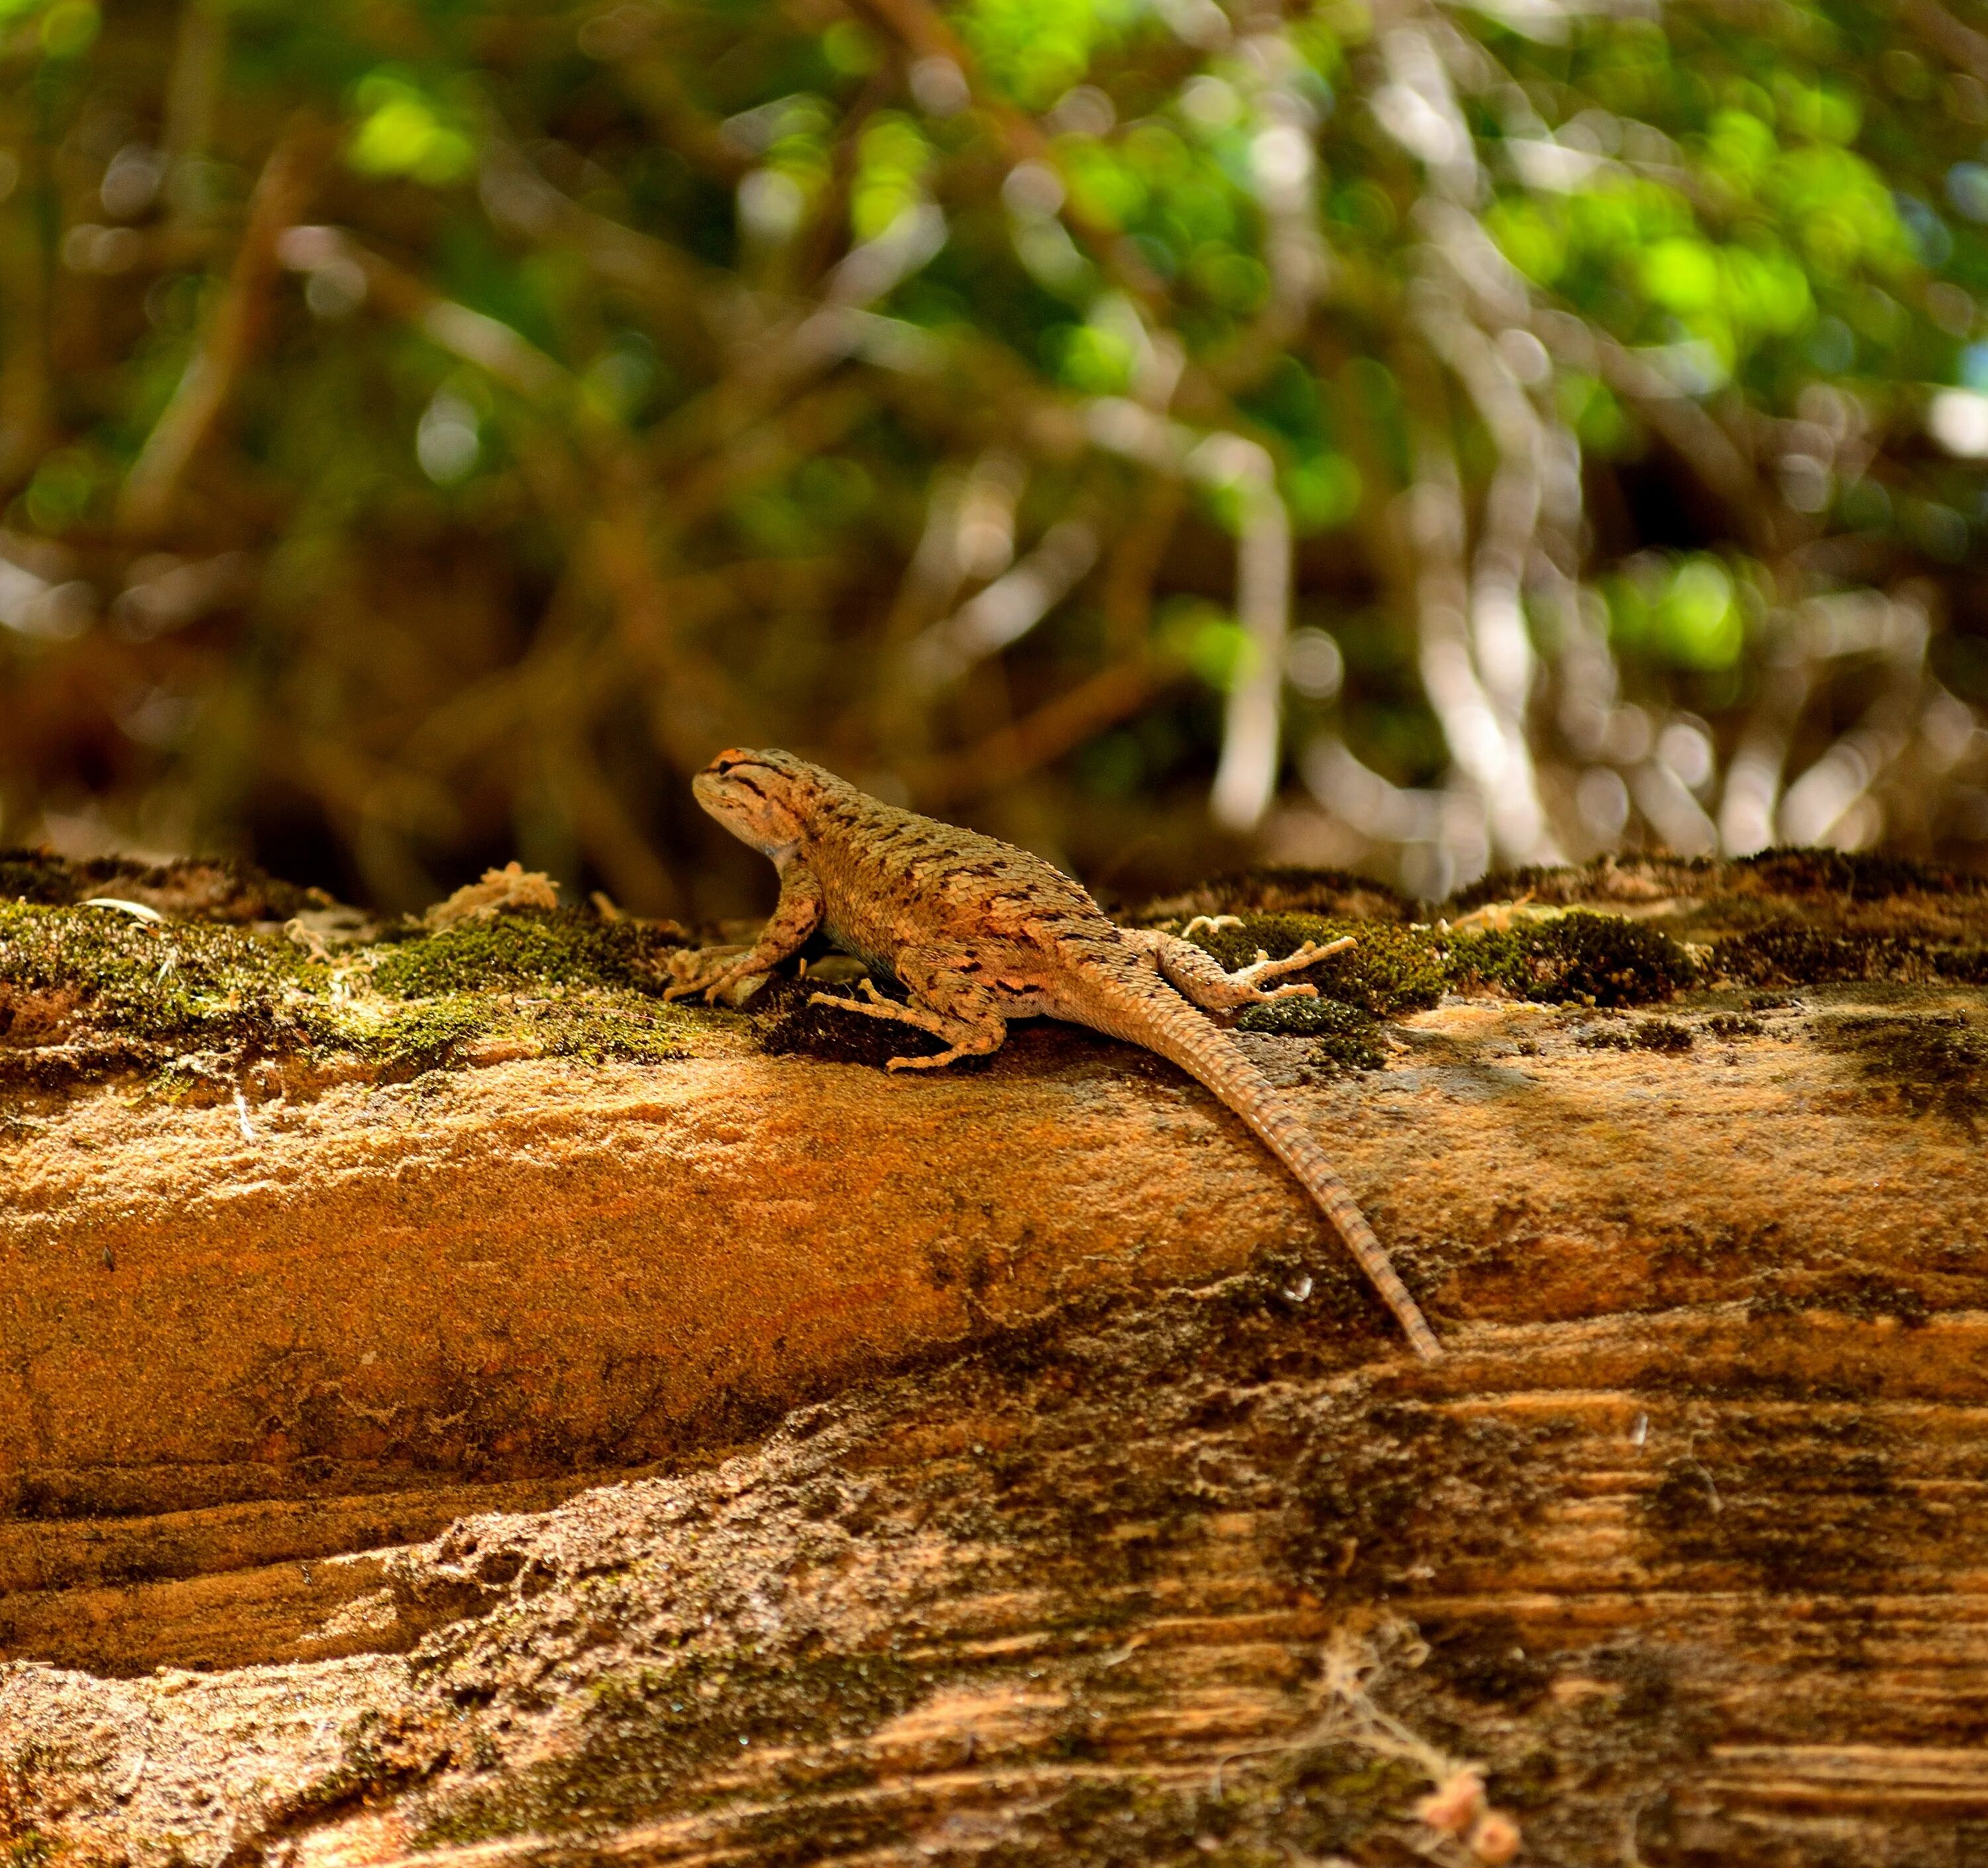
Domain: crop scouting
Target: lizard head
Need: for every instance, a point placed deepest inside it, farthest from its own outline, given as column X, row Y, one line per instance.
column 759, row 797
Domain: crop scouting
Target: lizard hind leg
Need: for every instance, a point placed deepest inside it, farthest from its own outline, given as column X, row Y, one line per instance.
column 947, row 1002
column 1198, row 977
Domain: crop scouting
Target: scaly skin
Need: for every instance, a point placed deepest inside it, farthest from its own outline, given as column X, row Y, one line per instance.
column 980, row 932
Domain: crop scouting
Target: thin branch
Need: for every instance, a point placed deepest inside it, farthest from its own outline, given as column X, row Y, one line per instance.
column 1116, row 693
column 231, row 336
column 636, row 877
column 1940, row 29
column 193, row 91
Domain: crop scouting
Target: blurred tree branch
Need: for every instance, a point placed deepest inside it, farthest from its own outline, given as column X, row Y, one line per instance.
column 1506, row 442
column 234, row 326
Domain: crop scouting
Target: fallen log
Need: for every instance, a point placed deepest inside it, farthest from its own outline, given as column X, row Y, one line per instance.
column 741, row 1455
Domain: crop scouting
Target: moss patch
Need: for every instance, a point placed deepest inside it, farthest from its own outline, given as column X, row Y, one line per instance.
column 1384, row 1489
column 649, row 1736
column 1390, row 969
column 427, row 1037
column 628, row 1032
column 1930, row 1063
column 1791, row 874
column 1643, row 1035
column 1578, row 957
column 179, row 982
column 789, row 1025
column 1746, row 1500
column 1784, row 950
column 89, row 992
column 528, row 946
column 1348, row 1038
column 1282, row 889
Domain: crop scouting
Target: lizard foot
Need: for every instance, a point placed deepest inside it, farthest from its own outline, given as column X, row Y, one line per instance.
column 1265, row 968
column 964, row 1038
column 937, row 1062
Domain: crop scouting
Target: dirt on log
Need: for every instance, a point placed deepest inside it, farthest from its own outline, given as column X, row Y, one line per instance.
column 497, row 1419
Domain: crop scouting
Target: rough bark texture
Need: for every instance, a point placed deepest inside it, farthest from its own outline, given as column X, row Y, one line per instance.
column 397, row 1469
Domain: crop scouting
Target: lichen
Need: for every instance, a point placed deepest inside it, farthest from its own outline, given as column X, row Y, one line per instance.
column 650, row 1734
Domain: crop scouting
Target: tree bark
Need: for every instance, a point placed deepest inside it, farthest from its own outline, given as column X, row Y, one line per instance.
column 745, row 1458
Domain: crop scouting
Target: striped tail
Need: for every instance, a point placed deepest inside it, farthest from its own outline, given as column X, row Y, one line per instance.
column 1149, row 1013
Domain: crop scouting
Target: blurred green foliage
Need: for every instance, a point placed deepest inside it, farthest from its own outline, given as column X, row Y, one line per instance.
column 430, row 428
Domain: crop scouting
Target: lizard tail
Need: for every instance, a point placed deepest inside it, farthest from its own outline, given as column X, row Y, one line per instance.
column 1179, row 1033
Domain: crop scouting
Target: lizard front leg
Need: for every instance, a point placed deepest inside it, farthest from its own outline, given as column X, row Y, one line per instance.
column 795, row 917
column 1198, row 975
column 947, row 1001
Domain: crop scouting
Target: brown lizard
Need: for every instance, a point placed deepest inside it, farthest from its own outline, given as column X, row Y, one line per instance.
column 979, row 932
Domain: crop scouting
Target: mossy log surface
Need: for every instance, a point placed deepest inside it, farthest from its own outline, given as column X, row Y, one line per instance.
column 456, row 1408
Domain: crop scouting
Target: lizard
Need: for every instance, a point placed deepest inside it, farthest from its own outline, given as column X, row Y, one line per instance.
column 979, row 933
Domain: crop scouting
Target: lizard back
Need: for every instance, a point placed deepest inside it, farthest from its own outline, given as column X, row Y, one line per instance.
column 891, row 879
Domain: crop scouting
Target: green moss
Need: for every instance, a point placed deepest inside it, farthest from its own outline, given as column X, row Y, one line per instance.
column 1781, row 951
column 649, row 1735
column 1348, row 1039
column 526, row 947
column 1390, row 969
column 427, row 1037
column 1644, row 1034
column 639, row 1033
column 1861, row 877
column 1798, row 874
column 181, row 982
column 1578, row 957
column 90, row 992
